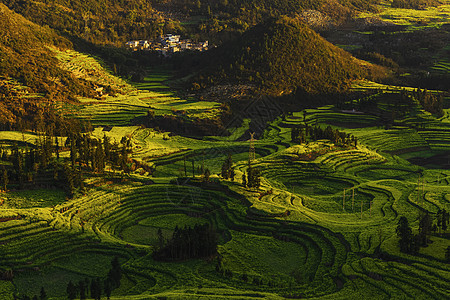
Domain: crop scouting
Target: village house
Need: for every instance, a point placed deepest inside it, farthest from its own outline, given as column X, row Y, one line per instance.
column 167, row 44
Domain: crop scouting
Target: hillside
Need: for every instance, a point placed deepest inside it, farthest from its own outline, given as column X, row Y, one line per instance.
column 99, row 22
column 29, row 72
column 239, row 14
column 280, row 56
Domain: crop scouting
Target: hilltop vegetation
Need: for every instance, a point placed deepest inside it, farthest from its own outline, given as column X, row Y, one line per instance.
column 230, row 15
column 25, row 56
column 281, row 56
column 100, row 22
column 29, row 72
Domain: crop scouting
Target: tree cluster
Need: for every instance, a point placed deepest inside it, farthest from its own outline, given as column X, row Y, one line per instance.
column 411, row 243
column 40, row 164
column 429, row 101
column 99, row 22
column 227, row 168
column 251, row 179
column 42, row 296
column 442, row 220
column 314, row 133
column 96, row 287
column 187, row 243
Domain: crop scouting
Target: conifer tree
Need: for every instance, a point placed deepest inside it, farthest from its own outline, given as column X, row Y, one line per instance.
column 71, row 291
column 4, row 179
column 227, row 167
column 108, row 288
column 43, row 294
column 404, row 232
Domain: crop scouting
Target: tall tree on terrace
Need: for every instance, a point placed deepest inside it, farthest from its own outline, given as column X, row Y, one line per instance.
column 71, row 291
column 227, row 167
column 445, row 219
column 4, row 179
column 425, row 225
column 43, row 294
column 404, row 232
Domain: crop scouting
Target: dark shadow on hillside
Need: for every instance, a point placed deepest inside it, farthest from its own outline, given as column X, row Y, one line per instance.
column 438, row 161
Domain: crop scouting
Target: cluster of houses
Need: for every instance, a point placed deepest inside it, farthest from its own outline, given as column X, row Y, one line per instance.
column 167, row 45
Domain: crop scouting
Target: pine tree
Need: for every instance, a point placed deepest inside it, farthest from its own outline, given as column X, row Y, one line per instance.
column 160, row 239
column 71, row 291
column 93, row 289
column 253, row 178
column 425, row 225
column 43, row 294
column 108, row 288
column 116, row 272
column 439, row 219
column 227, row 167
column 4, row 179
column 404, row 232
column 82, row 289
column 445, row 219
column 99, row 289
column 206, row 175
column 106, row 147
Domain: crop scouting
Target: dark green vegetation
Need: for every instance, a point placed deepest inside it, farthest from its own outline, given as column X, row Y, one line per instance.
column 98, row 22
column 140, row 191
column 281, row 56
column 224, row 18
column 294, row 234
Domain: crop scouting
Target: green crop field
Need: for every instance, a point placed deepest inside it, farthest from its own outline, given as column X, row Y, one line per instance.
column 322, row 224
column 413, row 18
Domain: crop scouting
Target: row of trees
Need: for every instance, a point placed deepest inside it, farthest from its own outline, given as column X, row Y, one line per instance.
column 314, row 133
column 42, row 296
column 227, row 168
column 186, row 243
column 429, row 101
column 26, row 170
column 41, row 164
column 411, row 243
column 251, row 179
column 96, row 287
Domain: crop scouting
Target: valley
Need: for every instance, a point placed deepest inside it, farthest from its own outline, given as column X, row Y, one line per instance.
column 148, row 182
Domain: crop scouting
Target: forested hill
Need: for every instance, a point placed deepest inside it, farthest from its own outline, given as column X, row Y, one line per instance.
column 279, row 56
column 26, row 60
column 99, row 22
column 226, row 15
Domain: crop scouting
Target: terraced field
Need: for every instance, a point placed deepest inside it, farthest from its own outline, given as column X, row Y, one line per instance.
column 320, row 226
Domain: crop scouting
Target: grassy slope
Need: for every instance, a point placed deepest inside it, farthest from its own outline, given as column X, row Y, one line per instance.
column 97, row 226
column 24, row 44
